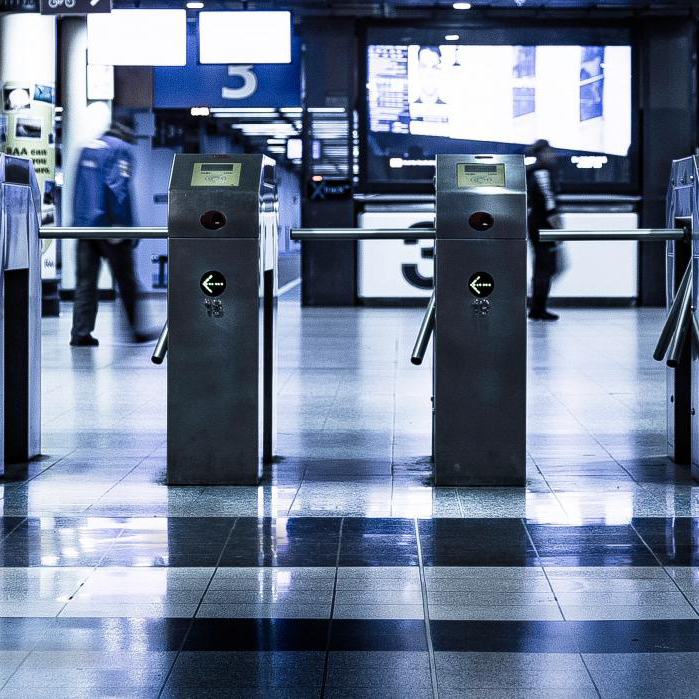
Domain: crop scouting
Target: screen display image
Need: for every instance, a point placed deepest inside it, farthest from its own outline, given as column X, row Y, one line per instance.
column 470, row 175
column 497, row 98
column 216, row 175
column 28, row 128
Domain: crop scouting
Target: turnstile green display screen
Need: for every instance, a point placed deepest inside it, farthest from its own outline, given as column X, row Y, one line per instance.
column 216, row 175
column 480, row 175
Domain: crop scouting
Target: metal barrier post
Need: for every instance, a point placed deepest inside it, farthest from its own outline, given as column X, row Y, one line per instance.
column 480, row 337
column 222, row 233
column 20, row 208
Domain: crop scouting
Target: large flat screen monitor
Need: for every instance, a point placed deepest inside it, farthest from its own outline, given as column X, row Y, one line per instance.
column 457, row 96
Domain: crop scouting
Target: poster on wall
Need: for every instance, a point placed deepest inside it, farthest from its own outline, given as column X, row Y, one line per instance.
column 27, row 130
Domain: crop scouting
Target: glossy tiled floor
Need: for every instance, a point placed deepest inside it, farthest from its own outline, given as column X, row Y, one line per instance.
column 346, row 574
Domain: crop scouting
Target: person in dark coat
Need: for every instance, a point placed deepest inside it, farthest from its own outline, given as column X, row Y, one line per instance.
column 103, row 198
column 542, row 214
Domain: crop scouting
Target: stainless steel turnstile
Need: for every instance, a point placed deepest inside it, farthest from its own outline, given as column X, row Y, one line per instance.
column 220, row 336
column 20, row 312
column 222, row 237
column 477, row 314
column 220, row 333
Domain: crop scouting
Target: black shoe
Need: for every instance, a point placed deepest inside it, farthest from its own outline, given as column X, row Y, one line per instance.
column 147, row 336
column 542, row 315
column 84, row 341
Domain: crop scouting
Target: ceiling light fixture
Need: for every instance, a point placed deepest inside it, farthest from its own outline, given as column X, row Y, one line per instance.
column 462, row 5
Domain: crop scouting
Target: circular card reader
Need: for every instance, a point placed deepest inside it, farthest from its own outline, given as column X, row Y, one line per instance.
column 212, row 283
column 481, row 284
column 481, row 221
column 213, row 220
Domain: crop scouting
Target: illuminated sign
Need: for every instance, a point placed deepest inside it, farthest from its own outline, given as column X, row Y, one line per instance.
column 212, row 283
column 216, row 175
column 481, row 284
column 477, row 175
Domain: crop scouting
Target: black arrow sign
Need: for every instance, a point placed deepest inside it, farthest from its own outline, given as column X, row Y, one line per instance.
column 212, row 283
column 481, row 284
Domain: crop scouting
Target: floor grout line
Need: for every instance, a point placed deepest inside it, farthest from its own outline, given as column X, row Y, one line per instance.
column 589, row 674
column 426, row 612
column 196, row 611
column 17, row 669
column 326, row 661
column 543, row 568
column 664, row 569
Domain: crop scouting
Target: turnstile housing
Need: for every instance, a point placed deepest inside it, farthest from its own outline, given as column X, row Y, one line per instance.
column 222, row 238
column 20, row 311
column 480, row 336
column 682, row 437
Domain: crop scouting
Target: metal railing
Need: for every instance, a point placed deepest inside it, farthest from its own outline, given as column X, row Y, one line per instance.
column 102, row 232
column 643, row 234
column 362, row 234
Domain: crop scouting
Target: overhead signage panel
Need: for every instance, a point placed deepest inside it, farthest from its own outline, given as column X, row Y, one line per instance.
column 195, row 85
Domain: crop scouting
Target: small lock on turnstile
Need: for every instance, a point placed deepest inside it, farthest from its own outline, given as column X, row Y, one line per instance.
column 214, row 308
column 480, row 307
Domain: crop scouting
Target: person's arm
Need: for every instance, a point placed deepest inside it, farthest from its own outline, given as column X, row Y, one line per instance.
column 545, row 184
column 119, row 188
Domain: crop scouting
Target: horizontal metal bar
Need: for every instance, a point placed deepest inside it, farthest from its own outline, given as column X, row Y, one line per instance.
column 645, row 234
column 403, row 198
column 605, row 198
column 362, row 233
column 102, row 232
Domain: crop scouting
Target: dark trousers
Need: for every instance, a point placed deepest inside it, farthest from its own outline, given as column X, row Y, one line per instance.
column 119, row 256
column 545, row 265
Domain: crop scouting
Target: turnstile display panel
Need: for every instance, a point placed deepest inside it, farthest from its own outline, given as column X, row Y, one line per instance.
column 216, row 174
column 480, row 175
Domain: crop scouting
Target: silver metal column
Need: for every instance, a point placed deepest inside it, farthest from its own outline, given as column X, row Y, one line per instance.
column 20, row 211
column 222, row 287
column 681, row 256
column 480, row 347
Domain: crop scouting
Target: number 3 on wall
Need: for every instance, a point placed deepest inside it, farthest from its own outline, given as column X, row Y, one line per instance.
column 247, row 89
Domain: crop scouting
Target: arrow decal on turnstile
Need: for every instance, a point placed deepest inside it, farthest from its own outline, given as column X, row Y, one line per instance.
column 213, row 283
column 209, row 285
column 481, row 284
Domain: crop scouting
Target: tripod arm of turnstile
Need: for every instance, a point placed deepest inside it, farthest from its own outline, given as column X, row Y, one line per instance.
column 102, row 232
column 672, row 316
column 684, row 319
column 642, row 234
column 160, row 347
column 362, row 234
column 425, row 332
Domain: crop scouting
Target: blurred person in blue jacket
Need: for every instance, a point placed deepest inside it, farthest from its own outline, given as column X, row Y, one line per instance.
column 103, row 198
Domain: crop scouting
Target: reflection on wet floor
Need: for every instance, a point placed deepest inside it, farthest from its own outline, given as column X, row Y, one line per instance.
column 346, row 574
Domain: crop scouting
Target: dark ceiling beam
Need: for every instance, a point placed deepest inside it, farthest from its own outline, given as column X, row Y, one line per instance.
column 407, row 10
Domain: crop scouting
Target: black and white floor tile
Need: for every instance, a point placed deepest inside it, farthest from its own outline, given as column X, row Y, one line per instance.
column 346, row 574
